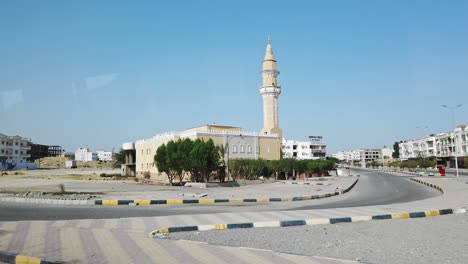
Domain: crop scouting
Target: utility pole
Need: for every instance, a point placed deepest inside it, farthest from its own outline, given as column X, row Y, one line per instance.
column 452, row 111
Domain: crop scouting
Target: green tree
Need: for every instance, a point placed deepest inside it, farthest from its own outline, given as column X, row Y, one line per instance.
column 396, row 150
column 204, row 160
column 465, row 162
column 221, row 172
column 161, row 159
column 234, row 168
column 287, row 166
column 184, row 148
column 425, row 163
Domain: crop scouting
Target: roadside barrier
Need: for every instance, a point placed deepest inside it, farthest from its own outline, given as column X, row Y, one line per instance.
column 437, row 187
column 309, row 222
column 13, row 258
column 215, row 201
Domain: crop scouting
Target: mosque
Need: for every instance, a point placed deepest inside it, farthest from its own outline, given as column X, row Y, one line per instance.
column 238, row 143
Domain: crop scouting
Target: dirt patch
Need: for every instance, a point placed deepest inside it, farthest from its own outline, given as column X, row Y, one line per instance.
column 59, row 162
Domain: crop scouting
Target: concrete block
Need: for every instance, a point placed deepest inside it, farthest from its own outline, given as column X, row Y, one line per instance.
column 200, row 185
column 267, row 224
column 361, row 218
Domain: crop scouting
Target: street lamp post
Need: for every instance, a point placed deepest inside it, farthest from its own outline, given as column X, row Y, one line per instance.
column 452, row 112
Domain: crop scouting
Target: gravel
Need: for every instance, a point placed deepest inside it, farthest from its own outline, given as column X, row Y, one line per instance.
column 440, row 239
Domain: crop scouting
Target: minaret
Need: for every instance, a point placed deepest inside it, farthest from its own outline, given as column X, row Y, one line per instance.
column 270, row 90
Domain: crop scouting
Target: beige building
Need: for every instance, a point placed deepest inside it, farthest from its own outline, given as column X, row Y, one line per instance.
column 237, row 143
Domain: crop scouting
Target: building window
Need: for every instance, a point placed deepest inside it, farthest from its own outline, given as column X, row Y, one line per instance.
column 242, row 148
column 234, row 149
column 16, row 152
column 142, row 154
column 142, row 166
column 268, row 149
column 249, row 149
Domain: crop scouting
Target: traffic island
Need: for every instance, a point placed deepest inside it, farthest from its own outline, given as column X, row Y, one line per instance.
column 309, row 222
column 219, row 201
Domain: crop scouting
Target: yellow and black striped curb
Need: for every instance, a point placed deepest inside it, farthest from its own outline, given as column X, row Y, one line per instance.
column 437, row 187
column 302, row 222
column 12, row 258
column 216, row 201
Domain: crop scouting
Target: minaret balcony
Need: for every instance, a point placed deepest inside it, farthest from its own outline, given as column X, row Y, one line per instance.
column 270, row 89
column 274, row 73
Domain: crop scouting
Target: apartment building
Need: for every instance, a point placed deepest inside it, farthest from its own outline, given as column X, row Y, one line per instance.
column 348, row 156
column 104, row 155
column 303, row 149
column 85, row 155
column 461, row 140
column 15, row 152
column 381, row 155
column 443, row 146
column 364, row 156
column 423, row 147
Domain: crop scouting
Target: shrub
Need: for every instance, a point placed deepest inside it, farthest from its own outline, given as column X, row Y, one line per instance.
column 147, row 175
column 62, row 188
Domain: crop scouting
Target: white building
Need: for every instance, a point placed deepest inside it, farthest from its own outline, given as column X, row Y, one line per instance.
column 424, row 147
column 365, row 155
column 381, row 155
column 443, row 146
column 83, row 154
column 104, row 155
column 15, row 152
column 303, row 149
column 348, row 156
column 461, row 140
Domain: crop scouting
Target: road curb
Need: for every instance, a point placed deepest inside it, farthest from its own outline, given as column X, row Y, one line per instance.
column 13, row 258
column 217, row 201
column 46, row 200
column 437, row 187
column 302, row 222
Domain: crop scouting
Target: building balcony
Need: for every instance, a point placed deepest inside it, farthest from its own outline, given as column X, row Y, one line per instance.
column 318, row 151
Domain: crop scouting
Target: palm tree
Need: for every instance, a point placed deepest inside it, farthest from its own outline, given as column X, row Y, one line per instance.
column 118, row 159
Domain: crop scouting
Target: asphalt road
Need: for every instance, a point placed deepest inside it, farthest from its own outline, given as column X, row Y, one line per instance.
column 373, row 188
column 379, row 188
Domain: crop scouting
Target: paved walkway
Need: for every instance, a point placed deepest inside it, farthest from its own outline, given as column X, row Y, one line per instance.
column 126, row 240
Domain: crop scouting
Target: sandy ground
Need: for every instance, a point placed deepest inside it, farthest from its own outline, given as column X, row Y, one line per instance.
column 88, row 180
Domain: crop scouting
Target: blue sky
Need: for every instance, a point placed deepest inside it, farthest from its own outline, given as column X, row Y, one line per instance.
column 358, row 73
